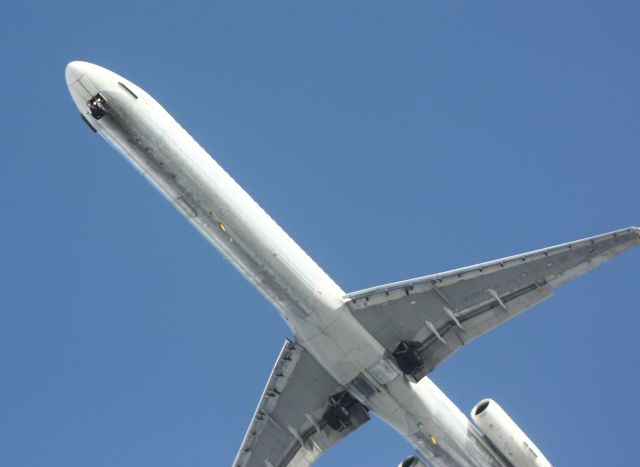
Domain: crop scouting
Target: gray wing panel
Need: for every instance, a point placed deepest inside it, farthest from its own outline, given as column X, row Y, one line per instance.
column 287, row 428
column 444, row 311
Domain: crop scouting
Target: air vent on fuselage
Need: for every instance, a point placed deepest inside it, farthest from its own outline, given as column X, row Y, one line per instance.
column 127, row 89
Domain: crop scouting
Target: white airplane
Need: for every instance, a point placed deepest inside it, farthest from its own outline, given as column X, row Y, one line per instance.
column 354, row 353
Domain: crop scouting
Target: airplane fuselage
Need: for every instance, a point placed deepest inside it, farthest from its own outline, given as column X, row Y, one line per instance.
column 311, row 303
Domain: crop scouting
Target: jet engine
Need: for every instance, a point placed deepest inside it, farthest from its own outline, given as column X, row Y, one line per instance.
column 506, row 436
column 412, row 461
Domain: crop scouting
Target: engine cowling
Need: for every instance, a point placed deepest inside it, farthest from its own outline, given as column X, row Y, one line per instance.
column 412, row 461
column 506, row 436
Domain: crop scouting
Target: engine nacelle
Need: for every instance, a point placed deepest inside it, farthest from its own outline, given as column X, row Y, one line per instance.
column 412, row 461
column 506, row 436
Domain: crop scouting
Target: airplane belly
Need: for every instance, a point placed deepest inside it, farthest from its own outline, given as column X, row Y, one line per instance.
column 310, row 302
column 211, row 200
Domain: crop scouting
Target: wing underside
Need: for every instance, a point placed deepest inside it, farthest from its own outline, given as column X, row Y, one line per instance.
column 290, row 427
column 437, row 314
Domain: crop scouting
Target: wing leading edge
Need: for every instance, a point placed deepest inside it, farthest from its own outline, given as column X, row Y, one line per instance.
column 290, row 427
column 437, row 314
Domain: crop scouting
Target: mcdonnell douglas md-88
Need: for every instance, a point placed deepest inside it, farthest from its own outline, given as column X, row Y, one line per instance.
column 354, row 353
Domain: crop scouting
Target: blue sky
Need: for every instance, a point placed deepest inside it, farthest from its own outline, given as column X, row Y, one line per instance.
column 390, row 141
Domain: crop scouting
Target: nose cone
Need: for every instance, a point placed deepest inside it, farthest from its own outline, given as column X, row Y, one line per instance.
column 74, row 71
column 85, row 80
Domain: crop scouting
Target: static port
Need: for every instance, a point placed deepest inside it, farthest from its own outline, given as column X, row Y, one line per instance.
column 96, row 106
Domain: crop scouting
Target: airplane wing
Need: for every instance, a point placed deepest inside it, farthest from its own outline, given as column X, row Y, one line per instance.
column 424, row 320
column 292, row 424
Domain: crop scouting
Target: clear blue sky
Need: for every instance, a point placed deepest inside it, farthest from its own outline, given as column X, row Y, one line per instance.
column 390, row 140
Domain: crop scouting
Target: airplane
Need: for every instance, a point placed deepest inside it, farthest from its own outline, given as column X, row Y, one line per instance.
column 354, row 354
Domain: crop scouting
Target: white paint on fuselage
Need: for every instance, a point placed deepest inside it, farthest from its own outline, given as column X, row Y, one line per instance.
column 312, row 304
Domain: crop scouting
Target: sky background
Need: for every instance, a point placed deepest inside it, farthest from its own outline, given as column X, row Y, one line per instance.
column 391, row 140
